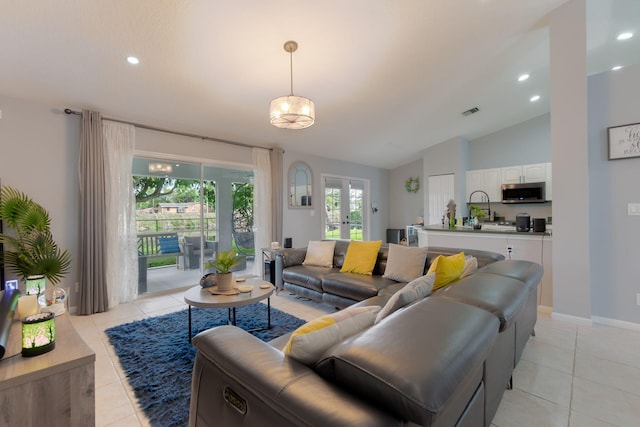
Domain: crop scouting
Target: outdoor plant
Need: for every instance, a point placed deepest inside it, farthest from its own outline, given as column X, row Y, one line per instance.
column 224, row 262
column 30, row 250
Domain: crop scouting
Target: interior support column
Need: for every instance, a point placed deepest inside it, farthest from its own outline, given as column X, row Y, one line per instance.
column 569, row 141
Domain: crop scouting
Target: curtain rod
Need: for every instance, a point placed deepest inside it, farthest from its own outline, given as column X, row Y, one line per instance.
column 190, row 135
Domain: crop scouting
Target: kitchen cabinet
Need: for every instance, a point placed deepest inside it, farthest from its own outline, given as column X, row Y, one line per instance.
column 531, row 247
column 490, row 180
column 524, row 173
column 487, row 180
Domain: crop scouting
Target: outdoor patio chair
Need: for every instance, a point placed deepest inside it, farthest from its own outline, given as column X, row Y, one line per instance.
column 192, row 250
column 245, row 243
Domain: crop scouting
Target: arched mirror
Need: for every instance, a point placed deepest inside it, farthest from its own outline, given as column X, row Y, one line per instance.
column 300, row 185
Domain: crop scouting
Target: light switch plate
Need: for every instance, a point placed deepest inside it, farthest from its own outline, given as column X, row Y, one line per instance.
column 633, row 209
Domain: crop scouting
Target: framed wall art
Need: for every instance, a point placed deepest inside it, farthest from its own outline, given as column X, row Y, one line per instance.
column 624, row 141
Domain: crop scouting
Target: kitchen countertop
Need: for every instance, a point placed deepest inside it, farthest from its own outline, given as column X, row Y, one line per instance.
column 486, row 229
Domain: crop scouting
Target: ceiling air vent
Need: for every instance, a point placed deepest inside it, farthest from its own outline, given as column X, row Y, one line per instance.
column 470, row 111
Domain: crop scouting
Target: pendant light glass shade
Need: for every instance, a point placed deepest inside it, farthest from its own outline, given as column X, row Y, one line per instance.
column 292, row 112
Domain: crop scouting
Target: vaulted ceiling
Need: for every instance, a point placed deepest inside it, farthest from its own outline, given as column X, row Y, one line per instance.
column 388, row 78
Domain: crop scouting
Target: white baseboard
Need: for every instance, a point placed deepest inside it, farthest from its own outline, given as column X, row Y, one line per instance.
column 589, row 322
column 617, row 323
column 574, row 319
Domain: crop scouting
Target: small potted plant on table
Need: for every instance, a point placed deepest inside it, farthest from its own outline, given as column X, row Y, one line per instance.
column 224, row 262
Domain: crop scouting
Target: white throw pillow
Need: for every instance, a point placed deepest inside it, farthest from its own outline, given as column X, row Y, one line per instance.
column 414, row 290
column 405, row 263
column 311, row 340
column 470, row 266
column 320, row 253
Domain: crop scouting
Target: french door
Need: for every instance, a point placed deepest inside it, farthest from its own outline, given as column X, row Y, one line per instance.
column 344, row 213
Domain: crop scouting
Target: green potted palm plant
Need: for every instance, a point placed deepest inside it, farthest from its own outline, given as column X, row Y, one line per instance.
column 224, row 262
column 30, row 251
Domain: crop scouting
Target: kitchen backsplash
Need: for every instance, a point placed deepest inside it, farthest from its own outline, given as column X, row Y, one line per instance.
column 509, row 212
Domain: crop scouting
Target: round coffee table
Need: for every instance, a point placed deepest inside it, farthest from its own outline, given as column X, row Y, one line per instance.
column 198, row 296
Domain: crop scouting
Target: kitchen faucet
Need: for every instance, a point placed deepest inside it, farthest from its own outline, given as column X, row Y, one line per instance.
column 488, row 201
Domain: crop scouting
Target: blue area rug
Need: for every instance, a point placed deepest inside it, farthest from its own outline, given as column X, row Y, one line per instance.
column 157, row 357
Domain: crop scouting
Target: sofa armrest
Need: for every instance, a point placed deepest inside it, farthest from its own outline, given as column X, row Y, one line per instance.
column 286, row 258
column 240, row 380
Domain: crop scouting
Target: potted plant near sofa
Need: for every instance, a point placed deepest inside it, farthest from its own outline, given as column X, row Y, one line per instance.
column 224, row 262
column 30, row 251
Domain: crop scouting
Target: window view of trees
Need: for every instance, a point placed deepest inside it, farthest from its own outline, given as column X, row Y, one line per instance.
column 243, row 217
column 168, row 204
column 173, row 205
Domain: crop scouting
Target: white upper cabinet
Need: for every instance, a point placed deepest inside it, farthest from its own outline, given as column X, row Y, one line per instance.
column 534, row 173
column 487, row 180
column 512, row 175
column 490, row 180
column 525, row 173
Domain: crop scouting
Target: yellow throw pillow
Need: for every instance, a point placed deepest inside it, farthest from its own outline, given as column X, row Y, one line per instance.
column 447, row 269
column 361, row 257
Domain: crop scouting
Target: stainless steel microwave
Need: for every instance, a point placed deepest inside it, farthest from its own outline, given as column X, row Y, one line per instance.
column 531, row 192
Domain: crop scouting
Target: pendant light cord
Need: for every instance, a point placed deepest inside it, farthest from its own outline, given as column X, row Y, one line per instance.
column 291, row 69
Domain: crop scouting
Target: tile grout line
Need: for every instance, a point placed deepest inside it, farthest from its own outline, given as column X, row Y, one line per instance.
column 573, row 373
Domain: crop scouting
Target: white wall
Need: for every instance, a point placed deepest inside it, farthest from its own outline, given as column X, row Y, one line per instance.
column 303, row 224
column 404, row 207
column 448, row 157
column 524, row 143
column 39, row 150
column 612, row 185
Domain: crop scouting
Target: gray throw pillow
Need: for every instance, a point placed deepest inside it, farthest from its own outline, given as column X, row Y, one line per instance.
column 405, row 263
column 412, row 291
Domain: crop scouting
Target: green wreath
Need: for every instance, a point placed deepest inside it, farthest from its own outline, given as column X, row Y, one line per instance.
column 412, row 185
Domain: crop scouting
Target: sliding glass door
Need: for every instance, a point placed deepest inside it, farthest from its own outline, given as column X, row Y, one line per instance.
column 185, row 213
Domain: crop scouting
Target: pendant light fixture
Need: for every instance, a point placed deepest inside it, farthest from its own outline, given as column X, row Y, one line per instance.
column 292, row 112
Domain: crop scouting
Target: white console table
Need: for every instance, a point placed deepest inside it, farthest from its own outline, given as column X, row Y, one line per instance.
column 53, row 389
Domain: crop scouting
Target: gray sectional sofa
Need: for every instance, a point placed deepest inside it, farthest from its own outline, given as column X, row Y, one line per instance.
column 444, row 360
column 329, row 285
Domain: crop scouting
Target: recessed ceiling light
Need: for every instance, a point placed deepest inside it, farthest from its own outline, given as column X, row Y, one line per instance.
column 534, row 98
column 133, row 60
column 523, row 77
column 624, row 36
column 616, row 68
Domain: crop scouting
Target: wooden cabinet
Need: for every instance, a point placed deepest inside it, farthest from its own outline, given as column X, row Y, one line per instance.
column 525, row 173
column 54, row 389
column 487, row 180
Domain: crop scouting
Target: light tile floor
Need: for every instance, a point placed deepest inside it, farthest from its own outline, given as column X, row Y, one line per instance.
column 569, row 375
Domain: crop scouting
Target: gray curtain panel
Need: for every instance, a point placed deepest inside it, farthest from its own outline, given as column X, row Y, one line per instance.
column 91, row 257
column 276, row 193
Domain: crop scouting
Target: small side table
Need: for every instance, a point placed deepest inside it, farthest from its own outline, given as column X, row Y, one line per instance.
column 269, row 264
